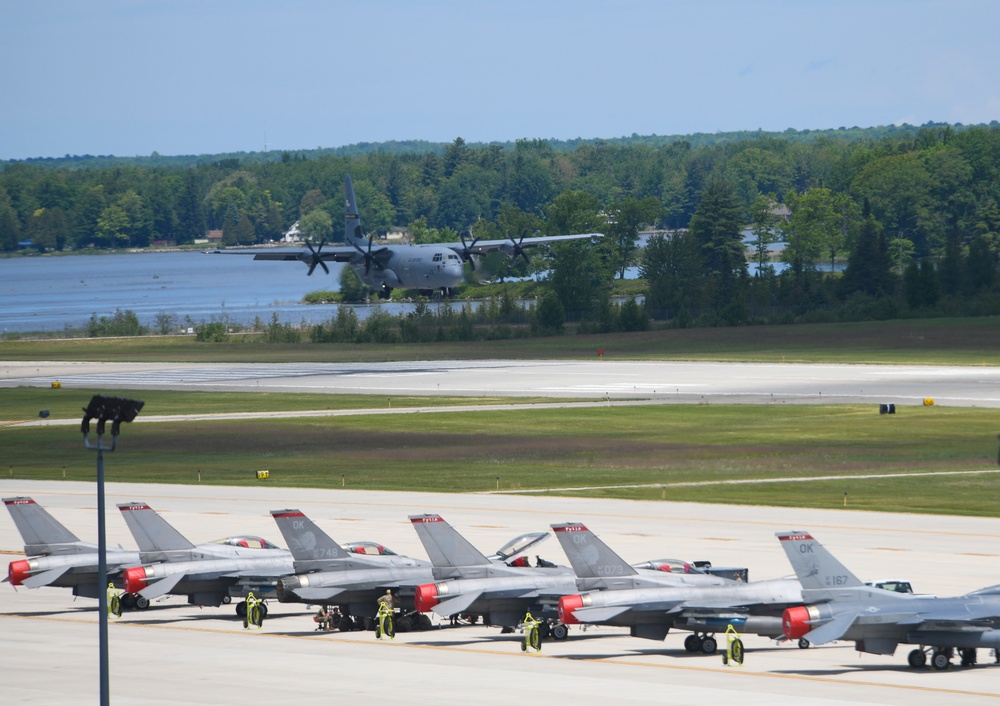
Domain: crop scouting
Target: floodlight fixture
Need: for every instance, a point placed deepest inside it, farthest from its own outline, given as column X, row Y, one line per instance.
column 116, row 410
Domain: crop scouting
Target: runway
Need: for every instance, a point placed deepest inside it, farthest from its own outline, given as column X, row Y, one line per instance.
column 176, row 654
column 648, row 381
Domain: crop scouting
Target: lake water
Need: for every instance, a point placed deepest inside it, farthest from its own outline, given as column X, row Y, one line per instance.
column 51, row 293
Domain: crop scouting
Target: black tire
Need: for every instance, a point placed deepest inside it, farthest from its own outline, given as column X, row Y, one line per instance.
column 940, row 660
column 524, row 644
column 390, row 627
column 559, row 632
column 917, row 658
column 226, row 600
column 544, row 632
column 241, row 609
column 804, row 644
column 692, row 643
column 536, row 640
column 263, row 611
column 736, row 650
column 115, row 605
column 128, row 601
column 708, row 645
column 422, row 622
column 969, row 657
column 378, row 632
column 346, row 623
column 141, row 602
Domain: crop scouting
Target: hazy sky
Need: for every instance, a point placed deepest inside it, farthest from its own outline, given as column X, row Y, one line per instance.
column 130, row 77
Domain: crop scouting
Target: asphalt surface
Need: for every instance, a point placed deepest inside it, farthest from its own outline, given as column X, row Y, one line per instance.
column 173, row 653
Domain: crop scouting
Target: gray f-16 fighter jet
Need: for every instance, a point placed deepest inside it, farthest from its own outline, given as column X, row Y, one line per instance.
column 56, row 557
column 499, row 591
column 840, row 607
column 208, row 574
column 652, row 603
column 327, row 574
column 425, row 267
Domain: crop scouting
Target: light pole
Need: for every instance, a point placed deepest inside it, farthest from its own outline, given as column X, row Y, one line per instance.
column 116, row 410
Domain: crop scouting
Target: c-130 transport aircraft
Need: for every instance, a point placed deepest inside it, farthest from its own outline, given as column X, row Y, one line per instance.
column 429, row 267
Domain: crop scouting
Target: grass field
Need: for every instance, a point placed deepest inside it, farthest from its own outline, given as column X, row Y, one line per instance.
column 972, row 341
column 648, row 453
column 633, row 452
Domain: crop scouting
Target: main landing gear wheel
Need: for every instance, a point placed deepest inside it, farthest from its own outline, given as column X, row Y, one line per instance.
column 559, row 632
column 141, row 602
column 692, row 643
column 709, row 645
column 940, row 660
column 804, row 644
column 917, row 658
column 241, row 609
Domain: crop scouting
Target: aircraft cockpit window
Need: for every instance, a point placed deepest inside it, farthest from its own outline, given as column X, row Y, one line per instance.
column 670, row 566
column 369, row 548
column 519, row 545
column 247, row 542
column 453, row 257
column 437, row 257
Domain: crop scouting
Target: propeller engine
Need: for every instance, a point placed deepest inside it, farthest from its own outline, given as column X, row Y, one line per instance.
column 515, row 248
column 315, row 258
column 466, row 253
column 367, row 255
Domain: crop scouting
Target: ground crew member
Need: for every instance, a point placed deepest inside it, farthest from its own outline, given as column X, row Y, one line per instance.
column 387, row 599
column 323, row 618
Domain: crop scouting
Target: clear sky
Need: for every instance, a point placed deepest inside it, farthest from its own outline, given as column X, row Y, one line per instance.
column 130, row 77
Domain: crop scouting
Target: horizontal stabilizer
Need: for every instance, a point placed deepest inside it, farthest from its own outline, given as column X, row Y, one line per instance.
column 44, row 578
column 317, row 594
column 833, row 630
column 450, row 607
column 161, row 587
column 598, row 615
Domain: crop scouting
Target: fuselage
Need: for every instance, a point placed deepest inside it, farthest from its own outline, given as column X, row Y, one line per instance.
column 413, row 267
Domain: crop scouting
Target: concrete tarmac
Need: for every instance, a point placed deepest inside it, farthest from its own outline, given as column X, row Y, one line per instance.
column 649, row 381
column 174, row 653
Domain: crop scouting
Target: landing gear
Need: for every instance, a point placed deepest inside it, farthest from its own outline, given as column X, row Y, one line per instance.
column 941, row 659
column 384, row 292
column 559, row 632
column 141, row 602
column 917, row 658
column 706, row 644
column 804, row 644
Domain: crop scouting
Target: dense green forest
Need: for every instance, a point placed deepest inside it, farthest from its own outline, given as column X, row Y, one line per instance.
column 874, row 223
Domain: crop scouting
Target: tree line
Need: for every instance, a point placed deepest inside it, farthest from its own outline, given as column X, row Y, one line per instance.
column 870, row 223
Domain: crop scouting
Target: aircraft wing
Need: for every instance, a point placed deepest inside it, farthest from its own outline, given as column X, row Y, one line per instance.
column 340, row 253
column 482, row 247
column 44, row 578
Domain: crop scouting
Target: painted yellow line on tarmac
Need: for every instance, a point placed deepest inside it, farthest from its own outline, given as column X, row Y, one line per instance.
column 371, row 642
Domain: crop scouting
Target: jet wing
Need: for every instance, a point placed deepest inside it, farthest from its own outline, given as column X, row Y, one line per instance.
column 44, row 578
column 161, row 587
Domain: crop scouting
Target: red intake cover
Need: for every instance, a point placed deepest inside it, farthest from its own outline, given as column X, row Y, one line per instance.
column 567, row 604
column 134, row 579
column 18, row 571
column 795, row 622
column 426, row 597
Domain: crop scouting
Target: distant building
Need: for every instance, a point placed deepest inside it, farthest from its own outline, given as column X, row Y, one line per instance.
column 214, row 236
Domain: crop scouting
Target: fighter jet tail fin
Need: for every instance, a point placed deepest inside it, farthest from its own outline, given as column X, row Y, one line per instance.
column 589, row 556
column 42, row 533
column 154, row 535
column 307, row 542
column 445, row 547
column 815, row 567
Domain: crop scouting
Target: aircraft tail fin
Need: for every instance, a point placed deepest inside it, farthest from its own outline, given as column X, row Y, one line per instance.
column 815, row 567
column 42, row 533
column 444, row 545
column 352, row 221
column 305, row 540
column 588, row 555
column 154, row 535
